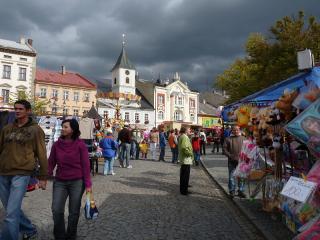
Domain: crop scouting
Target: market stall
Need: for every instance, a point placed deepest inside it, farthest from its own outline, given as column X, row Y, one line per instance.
column 282, row 154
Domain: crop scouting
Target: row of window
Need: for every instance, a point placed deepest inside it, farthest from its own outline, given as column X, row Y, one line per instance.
column 127, row 81
column 127, row 116
column 6, row 73
column 65, row 111
column 178, row 100
column 10, row 57
column 5, row 94
column 178, row 116
column 55, row 94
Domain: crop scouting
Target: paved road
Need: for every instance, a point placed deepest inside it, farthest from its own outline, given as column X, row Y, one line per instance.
column 144, row 203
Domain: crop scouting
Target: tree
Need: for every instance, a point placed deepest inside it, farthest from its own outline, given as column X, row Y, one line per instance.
column 272, row 58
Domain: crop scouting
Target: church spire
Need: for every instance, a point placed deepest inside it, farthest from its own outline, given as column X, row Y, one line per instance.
column 123, row 60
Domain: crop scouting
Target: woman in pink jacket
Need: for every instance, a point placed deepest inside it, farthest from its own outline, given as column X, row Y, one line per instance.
column 70, row 157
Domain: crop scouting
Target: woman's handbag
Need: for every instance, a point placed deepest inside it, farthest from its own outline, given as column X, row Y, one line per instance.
column 90, row 208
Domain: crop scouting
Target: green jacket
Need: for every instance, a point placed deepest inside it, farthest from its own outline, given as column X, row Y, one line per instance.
column 185, row 150
column 20, row 148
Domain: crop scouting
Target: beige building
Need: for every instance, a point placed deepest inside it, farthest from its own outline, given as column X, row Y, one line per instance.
column 67, row 93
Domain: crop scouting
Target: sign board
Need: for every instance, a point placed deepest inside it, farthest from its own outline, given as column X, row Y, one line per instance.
column 298, row 189
column 305, row 59
column 211, row 122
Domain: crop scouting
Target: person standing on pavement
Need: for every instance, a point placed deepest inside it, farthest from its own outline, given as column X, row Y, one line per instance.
column 22, row 149
column 70, row 155
column 203, row 142
column 109, row 148
column 162, row 144
column 196, row 147
column 216, row 141
column 185, row 159
column 173, row 143
column 125, row 138
column 232, row 148
column 154, row 141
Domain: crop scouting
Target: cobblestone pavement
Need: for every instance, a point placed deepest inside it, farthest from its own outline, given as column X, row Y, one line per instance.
column 144, row 203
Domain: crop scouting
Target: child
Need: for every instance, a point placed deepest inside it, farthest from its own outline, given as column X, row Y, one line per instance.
column 109, row 148
column 143, row 149
column 196, row 147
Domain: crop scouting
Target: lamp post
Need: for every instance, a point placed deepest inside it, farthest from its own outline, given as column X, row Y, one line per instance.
column 64, row 108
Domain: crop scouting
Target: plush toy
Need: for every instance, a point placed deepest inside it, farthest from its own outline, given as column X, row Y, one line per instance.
column 313, row 95
column 275, row 116
column 243, row 115
column 262, row 118
column 284, row 104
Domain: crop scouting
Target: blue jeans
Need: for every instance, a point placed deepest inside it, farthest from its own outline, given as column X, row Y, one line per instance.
column 125, row 154
column 108, row 165
column 174, row 154
column 12, row 191
column 232, row 180
column 162, row 153
column 73, row 189
column 196, row 155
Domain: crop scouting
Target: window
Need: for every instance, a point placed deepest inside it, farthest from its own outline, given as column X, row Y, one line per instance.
column 192, row 117
column 76, row 97
column 65, row 111
column 5, row 95
column 85, row 112
column 7, row 56
column 6, row 71
column 22, row 74
column 21, row 94
column 43, row 110
column 86, row 97
column 136, row 117
column 75, row 112
column 177, row 116
column 23, row 59
column 127, row 80
column 55, row 93
column 106, row 114
column 160, row 115
column 180, row 101
column 192, row 103
column 126, row 116
column 115, row 81
column 43, row 92
column 160, row 99
column 65, row 95
column 146, row 117
column 54, row 110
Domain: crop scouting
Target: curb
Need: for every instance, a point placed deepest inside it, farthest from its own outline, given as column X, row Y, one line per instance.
column 247, row 215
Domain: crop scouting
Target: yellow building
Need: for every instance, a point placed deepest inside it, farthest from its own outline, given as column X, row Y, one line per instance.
column 67, row 93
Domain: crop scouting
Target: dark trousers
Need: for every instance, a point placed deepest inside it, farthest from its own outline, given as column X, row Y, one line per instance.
column 202, row 148
column 61, row 191
column 174, row 154
column 184, row 178
column 216, row 146
column 162, row 153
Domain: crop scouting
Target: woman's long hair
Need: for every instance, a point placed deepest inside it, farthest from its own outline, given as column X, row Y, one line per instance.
column 74, row 126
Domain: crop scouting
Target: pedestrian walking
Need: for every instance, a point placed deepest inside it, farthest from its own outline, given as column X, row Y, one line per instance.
column 232, row 148
column 203, row 142
column 70, row 156
column 154, row 141
column 162, row 144
column 143, row 149
column 185, row 159
column 195, row 141
column 125, row 138
column 109, row 149
column 216, row 142
column 173, row 143
column 22, row 149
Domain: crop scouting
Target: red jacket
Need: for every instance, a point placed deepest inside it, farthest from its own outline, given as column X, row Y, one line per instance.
column 196, row 143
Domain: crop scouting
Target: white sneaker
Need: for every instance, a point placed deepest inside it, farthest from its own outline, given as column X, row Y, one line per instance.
column 129, row 166
column 113, row 173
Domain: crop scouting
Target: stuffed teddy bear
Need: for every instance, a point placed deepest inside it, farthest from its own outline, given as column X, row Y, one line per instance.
column 262, row 118
column 243, row 115
column 284, row 104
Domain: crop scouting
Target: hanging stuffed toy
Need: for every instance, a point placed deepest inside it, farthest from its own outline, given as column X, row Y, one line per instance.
column 284, row 104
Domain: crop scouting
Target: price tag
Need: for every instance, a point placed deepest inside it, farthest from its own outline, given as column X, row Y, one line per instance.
column 298, row 189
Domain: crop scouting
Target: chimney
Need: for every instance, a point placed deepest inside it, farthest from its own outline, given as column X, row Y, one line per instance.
column 30, row 41
column 22, row 40
column 63, row 70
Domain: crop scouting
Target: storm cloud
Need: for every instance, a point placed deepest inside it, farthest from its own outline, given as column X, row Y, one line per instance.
column 198, row 39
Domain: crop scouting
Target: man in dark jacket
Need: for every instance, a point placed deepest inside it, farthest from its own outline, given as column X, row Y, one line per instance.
column 125, row 138
column 22, row 148
column 162, row 144
column 232, row 148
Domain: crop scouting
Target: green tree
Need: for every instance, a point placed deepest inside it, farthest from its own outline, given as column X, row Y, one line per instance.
column 271, row 58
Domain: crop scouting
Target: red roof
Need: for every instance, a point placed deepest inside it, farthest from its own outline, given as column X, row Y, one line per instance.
column 69, row 78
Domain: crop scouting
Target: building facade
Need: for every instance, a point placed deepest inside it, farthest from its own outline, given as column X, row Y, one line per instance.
column 175, row 104
column 123, row 103
column 67, row 93
column 18, row 67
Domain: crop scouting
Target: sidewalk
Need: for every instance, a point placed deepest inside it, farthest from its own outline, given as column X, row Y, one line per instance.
column 270, row 225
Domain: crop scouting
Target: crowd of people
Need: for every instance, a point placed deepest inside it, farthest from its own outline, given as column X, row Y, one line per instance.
column 23, row 157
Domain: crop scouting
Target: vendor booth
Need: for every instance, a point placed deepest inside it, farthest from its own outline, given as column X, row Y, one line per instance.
column 282, row 151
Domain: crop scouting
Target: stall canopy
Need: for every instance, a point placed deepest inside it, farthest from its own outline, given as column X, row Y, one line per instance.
column 93, row 113
column 274, row 92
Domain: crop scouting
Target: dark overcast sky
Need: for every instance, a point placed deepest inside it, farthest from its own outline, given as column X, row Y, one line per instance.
column 197, row 38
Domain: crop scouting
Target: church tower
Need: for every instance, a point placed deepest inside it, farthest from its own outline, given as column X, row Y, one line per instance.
column 123, row 73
